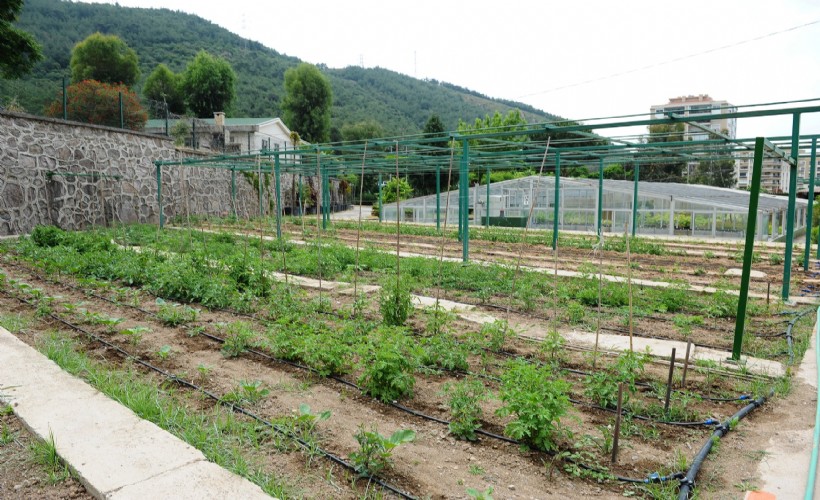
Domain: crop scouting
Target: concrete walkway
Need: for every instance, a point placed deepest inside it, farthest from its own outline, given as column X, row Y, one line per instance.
column 784, row 471
column 115, row 454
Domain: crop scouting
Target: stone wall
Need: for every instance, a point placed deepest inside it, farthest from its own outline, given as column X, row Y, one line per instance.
column 76, row 175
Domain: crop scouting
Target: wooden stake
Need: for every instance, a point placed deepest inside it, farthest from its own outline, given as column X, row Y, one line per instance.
column 600, row 294
column 617, row 432
column 669, row 382
column 686, row 364
column 629, row 281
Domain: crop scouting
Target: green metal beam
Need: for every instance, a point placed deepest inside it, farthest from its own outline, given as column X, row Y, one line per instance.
column 809, row 213
column 751, row 219
column 787, row 260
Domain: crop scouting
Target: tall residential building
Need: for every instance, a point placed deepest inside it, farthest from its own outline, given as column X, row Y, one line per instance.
column 775, row 173
column 707, row 112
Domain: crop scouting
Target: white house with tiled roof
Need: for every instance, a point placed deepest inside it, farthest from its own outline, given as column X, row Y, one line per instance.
column 233, row 135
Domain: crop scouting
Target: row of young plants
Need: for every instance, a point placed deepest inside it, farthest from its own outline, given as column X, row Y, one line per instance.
column 384, row 380
column 478, row 283
column 245, row 443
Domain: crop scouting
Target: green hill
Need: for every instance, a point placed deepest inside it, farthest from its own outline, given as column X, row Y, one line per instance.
column 401, row 104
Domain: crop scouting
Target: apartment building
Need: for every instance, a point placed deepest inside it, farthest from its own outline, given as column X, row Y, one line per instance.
column 706, row 111
column 775, row 174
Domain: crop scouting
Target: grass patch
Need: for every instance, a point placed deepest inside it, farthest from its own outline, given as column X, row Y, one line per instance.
column 223, row 438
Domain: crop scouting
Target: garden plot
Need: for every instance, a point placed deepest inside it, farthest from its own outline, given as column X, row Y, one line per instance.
column 470, row 390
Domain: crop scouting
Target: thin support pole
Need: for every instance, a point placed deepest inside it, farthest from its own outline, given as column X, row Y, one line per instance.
column 637, row 172
column 259, row 183
column 669, row 383
column 167, row 119
column 686, row 364
column 159, row 197
column 556, row 201
column 600, row 196
column 795, row 154
column 751, row 219
column 122, row 115
column 464, row 198
column 277, row 182
column 809, row 213
column 438, row 197
column 487, row 206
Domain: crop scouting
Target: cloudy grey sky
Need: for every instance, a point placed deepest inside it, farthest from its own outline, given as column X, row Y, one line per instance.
column 579, row 59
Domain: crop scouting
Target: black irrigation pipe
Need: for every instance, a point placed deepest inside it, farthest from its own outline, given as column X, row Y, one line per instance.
column 788, row 333
column 234, row 407
column 687, row 483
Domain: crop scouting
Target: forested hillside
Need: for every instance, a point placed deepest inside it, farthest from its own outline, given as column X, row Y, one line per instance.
column 401, row 104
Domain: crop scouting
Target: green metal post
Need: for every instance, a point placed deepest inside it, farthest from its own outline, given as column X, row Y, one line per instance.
column 556, row 201
column 487, row 207
column 751, row 219
column 122, row 116
column 438, row 197
column 278, row 186
column 65, row 99
column 233, row 190
column 600, row 196
column 635, row 199
column 464, row 198
column 809, row 214
column 381, row 208
column 787, row 259
column 159, row 197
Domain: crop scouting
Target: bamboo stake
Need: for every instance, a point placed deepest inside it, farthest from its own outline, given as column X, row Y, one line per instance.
column 524, row 238
column 443, row 235
column 600, row 251
column 629, row 281
column 686, row 364
column 359, row 231
column 398, row 226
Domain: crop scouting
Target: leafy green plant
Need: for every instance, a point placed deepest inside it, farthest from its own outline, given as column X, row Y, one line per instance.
column 174, row 314
column 204, row 370
column 135, row 333
column 395, row 303
column 247, row 392
column 376, row 451
column 6, row 435
column 164, row 352
column 465, row 399
column 602, row 386
column 538, row 399
column 575, row 313
column 238, row 338
column 444, row 351
column 387, row 371
column 306, row 420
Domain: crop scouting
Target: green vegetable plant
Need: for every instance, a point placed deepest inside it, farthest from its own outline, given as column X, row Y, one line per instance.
column 164, row 352
column 602, row 386
column 465, row 399
column 135, row 333
column 538, row 399
column 247, row 392
column 238, row 338
column 388, row 366
column 486, row 494
column 376, row 451
column 174, row 314
column 395, row 303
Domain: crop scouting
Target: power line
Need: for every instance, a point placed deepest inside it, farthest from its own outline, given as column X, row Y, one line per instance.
column 670, row 61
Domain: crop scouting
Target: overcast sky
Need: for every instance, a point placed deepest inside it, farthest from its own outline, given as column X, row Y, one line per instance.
column 579, row 59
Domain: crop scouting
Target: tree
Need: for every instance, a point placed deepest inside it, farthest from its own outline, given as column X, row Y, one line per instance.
column 425, row 183
column 164, row 85
column 307, row 103
column 209, row 83
column 95, row 102
column 668, row 167
column 719, row 169
column 105, row 58
column 367, row 129
column 19, row 52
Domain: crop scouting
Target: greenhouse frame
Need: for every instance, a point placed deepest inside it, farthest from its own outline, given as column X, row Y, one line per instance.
column 664, row 208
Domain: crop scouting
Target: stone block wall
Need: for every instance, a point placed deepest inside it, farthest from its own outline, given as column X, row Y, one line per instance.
column 76, row 175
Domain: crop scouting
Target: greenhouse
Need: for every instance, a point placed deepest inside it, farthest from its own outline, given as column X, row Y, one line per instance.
column 663, row 208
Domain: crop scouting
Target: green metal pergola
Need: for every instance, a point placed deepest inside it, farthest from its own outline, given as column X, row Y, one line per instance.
column 548, row 147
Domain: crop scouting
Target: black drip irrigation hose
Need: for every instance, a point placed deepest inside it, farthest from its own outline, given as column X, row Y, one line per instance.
column 788, row 333
column 687, row 483
column 234, row 407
